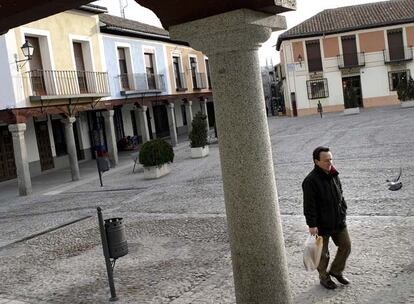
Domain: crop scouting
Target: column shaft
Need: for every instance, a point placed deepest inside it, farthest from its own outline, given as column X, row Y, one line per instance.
column 20, row 158
column 110, row 137
column 172, row 125
column 143, row 122
column 189, row 115
column 71, row 148
column 203, row 104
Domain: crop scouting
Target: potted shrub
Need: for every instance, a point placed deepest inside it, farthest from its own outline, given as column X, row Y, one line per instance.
column 198, row 136
column 405, row 93
column 155, row 155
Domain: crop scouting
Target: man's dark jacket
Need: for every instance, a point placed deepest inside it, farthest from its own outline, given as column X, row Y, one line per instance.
column 323, row 204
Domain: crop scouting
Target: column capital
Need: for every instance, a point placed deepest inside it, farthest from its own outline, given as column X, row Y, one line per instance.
column 17, row 128
column 143, row 109
column 171, row 105
column 241, row 29
column 188, row 103
column 69, row 120
column 109, row 113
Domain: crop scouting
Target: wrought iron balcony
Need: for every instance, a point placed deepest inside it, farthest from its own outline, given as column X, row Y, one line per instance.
column 351, row 60
column 199, row 80
column 180, row 82
column 141, row 83
column 51, row 84
column 398, row 55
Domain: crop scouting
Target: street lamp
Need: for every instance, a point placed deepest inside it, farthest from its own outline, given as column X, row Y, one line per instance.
column 27, row 50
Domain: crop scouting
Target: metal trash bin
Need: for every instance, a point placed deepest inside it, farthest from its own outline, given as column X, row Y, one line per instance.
column 103, row 164
column 116, row 237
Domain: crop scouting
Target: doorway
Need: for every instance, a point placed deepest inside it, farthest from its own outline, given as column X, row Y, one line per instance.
column 352, row 92
column 162, row 128
column 7, row 164
column 43, row 144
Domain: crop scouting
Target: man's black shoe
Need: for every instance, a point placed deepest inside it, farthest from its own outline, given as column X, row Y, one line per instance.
column 328, row 283
column 340, row 278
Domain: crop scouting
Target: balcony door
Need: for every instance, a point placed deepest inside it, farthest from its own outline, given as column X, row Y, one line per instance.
column 193, row 65
column 150, row 70
column 349, row 50
column 177, row 73
column 80, row 67
column 36, row 68
column 123, row 70
column 396, row 44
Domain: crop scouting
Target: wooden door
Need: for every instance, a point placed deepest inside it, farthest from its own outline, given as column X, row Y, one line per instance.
column 80, row 67
column 352, row 92
column 7, row 164
column 36, row 68
column 43, row 144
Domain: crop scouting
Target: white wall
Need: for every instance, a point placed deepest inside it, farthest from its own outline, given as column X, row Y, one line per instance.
column 374, row 82
column 126, row 117
column 7, row 96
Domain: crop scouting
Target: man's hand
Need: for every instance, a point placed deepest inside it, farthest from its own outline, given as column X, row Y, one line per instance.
column 313, row 230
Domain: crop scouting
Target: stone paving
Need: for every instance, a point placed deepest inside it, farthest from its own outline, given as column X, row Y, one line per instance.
column 176, row 226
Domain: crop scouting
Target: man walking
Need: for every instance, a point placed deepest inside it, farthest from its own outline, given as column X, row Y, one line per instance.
column 325, row 212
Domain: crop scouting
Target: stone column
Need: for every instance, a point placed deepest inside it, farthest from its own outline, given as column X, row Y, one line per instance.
column 203, row 104
column 171, row 123
column 110, row 136
column 71, row 147
column 143, row 122
column 20, row 157
column 231, row 41
column 189, row 114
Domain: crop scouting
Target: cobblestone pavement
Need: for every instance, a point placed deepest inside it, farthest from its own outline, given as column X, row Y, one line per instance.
column 176, row 226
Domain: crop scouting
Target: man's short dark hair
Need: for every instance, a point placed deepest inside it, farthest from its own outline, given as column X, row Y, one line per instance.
column 317, row 152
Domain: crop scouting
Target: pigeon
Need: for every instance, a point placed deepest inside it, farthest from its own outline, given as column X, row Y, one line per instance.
column 394, row 184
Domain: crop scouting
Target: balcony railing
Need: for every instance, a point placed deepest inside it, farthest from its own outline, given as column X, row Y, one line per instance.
column 398, row 54
column 68, row 83
column 351, row 60
column 181, row 82
column 141, row 83
column 199, row 81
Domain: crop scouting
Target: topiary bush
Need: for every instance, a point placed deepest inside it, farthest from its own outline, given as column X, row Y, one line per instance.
column 156, row 152
column 405, row 90
column 198, row 134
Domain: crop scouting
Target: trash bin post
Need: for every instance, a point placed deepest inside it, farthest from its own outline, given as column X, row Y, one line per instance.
column 105, row 248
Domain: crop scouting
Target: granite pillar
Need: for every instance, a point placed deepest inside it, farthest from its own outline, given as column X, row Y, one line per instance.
column 143, row 122
column 20, row 158
column 231, row 41
column 171, row 123
column 110, row 137
column 71, row 147
column 189, row 115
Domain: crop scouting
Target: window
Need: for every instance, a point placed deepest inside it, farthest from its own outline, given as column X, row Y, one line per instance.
column 149, row 68
column 396, row 78
column 395, row 44
column 317, row 88
column 313, row 52
column 123, row 71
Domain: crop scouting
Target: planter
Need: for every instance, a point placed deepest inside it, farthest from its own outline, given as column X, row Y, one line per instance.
column 351, row 111
column 199, row 152
column 407, row 104
column 156, row 172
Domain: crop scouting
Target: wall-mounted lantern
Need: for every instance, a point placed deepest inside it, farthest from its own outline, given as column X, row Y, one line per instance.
column 27, row 50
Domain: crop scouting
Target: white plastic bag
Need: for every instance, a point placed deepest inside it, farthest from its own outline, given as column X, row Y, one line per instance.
column 312, row 252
